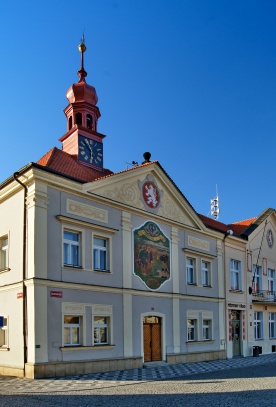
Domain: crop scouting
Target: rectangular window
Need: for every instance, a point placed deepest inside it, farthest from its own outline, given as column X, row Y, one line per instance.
column 101, row 327
column 235, row 275
column 101, row 253
column 258, row 325
column 190, row 271
column 4, row 333
column 272, row 320
column 271, row 279
column 206, row 330
column 257, row 278
column 71, row 248
column 205, row 269
column 4, row 245
column 71, row 330
column 192, row 330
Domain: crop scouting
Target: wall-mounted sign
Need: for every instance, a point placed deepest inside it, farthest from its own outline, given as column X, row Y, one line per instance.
column 56, row 294
column 230, row 305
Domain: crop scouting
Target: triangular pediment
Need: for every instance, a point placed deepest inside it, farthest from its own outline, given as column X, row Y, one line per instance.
column 149, row 189
column 262, row 235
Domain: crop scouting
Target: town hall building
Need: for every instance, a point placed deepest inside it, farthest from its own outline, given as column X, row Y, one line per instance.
column 104, row 271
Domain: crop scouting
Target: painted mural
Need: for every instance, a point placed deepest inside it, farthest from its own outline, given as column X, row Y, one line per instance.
column 151, row 255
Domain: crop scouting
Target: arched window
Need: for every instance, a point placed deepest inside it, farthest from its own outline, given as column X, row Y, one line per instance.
column 89, row 121
column 79, row 118
column 70, row 123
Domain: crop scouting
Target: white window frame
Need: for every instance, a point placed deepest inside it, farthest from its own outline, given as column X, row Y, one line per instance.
column 257, row 285
column 206, row 327
column 4, row 252
column 72, row 326
column 80, row 244
column 191, row 270
column 192, row 329
column 107, row 250
column 235, row 275
column 97, row 327
column 4, row 334
column 258, row 325
column 206, row 273
column 271, row 280
column 272, row 325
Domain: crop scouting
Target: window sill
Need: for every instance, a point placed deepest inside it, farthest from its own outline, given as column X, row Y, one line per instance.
column 102, row 271
column 80, row 348
column 207, row 286
column 191, row 283
column 69, row 266
column 200, row 342
column 4, row 270
column 4, row 349
column 236, row 291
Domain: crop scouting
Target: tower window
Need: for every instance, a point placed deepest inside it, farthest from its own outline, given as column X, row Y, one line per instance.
column 70, row 123
column 89, row 121
column 79, row 118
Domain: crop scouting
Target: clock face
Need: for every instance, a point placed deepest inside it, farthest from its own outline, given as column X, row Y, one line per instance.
column 270, row 238
column 90, row 151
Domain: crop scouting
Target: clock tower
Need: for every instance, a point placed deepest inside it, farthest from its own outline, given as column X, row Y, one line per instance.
column 82, row 139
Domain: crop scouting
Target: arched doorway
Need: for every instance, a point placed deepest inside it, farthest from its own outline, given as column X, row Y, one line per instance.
column 152, row 326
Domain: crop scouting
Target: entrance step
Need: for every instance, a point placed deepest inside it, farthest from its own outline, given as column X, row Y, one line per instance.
column 155, row 364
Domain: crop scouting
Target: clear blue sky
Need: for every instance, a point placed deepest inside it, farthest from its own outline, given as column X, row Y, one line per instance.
column 191, row 81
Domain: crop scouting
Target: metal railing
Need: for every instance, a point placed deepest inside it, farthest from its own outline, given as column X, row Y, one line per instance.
column 264, row 296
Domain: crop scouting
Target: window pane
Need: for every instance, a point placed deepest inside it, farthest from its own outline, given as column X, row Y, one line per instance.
column 102, row 260
column 99, row 320
column 75, row 255
column 74, row 237
column 66, row 336
column 103, row 335
column 66, row 251
column 99, row 242
column 75, row 336
column 71, row 319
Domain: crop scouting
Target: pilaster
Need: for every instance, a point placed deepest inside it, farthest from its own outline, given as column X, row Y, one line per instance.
column 37, row 203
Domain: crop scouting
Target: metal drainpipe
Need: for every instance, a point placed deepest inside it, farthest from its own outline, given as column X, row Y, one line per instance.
column 15, row 176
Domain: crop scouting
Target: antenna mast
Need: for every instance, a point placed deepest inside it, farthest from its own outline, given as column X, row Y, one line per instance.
column 215, row 206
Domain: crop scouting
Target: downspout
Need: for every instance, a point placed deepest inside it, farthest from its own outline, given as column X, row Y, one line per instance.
column 24, row 270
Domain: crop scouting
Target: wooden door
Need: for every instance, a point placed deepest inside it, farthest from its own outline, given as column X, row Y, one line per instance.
column 152, row 339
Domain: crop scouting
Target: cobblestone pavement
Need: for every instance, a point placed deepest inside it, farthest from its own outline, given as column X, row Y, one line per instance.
column 13, row 385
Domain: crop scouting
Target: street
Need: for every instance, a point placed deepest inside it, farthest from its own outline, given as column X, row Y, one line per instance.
column 243, row 386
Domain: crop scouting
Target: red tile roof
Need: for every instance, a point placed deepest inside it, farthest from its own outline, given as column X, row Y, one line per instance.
column 237, row 227
column 66, row 164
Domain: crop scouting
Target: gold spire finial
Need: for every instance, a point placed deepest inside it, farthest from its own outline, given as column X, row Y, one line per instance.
column 82, row 47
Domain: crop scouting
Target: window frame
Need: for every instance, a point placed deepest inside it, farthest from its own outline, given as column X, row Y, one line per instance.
column 272, row 325
column 107, row 250
column 191, row 268
column 80, row 233
column 71, row 326
column 258, row 325
column 193, row 327
column 4, row 334
column 207, row 326
column 235, row 275
column 4, row 253
column 203, row 272
column 257, row 275
column 98, row 327
column 270, row 280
